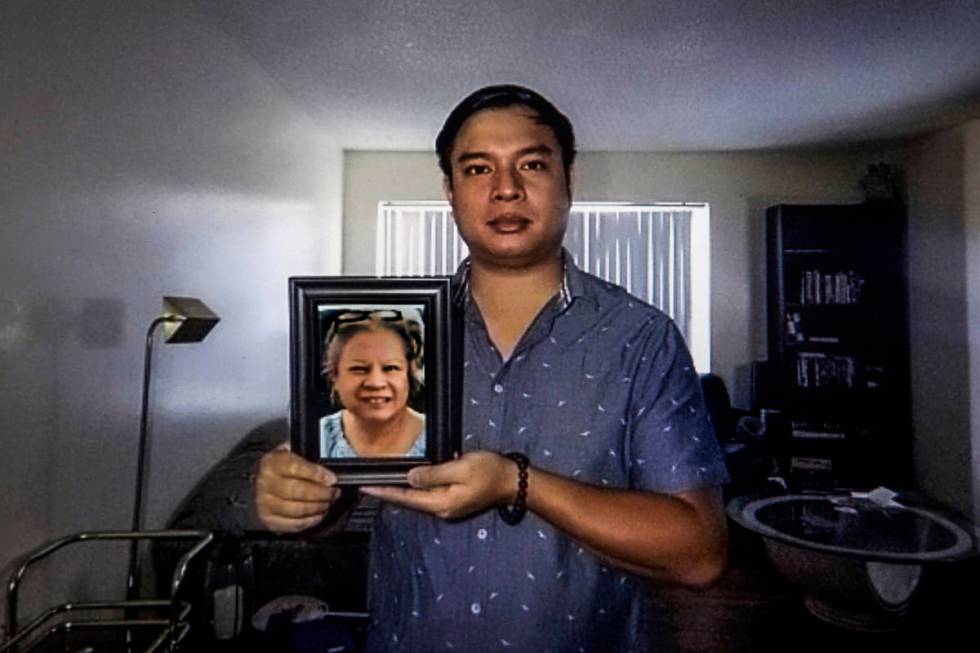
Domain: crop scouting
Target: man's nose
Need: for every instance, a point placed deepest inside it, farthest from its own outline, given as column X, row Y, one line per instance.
column 507, row 185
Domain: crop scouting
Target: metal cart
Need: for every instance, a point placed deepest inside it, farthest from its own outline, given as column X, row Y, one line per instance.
column 129, row 626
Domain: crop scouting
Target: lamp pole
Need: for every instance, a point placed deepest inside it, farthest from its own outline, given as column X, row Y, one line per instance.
column 187, row 320
column 137, row 525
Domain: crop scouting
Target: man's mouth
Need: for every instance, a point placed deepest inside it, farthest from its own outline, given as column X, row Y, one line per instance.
column 375, row 402
column 508, row 224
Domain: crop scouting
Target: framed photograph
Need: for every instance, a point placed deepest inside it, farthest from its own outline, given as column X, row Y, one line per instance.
column 375, row 371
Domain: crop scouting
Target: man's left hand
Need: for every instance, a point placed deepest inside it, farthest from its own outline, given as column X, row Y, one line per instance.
column 457, row 489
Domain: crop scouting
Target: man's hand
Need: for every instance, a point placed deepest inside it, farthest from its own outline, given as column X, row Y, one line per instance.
column 291, row 493
column 459, row 488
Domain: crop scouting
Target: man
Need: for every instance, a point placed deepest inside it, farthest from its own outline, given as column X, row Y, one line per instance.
column 592, row 391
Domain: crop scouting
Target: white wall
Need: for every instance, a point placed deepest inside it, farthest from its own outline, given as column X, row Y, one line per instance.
column 142, row 155
column 971, row 185
column 938, row 317
column 737, row 186
column 944, row 274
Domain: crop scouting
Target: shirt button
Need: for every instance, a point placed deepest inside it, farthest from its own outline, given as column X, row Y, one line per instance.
column 475, row 608
column 498, row 388
column 482, row 534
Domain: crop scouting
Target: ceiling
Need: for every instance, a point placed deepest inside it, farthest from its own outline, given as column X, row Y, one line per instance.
column 632, row 75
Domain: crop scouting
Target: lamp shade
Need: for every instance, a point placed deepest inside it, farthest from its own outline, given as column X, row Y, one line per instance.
column 188, row 319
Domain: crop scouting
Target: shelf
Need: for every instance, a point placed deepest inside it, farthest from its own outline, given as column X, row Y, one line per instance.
column 802, row 251
column 817, row 435
column 837, row 389
column 856, row 349
column 820, row 346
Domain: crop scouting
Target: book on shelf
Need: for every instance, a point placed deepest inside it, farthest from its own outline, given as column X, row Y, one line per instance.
column 795, row 331
column 820, row 288
column 809, row 464
column 816, row 369
column 807, row 431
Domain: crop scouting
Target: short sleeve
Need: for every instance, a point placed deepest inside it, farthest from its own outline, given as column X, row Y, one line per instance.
column 671, row 441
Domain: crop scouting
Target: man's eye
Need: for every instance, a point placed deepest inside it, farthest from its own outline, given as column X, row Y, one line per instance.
column 534, row 165
column 476, row 169
column 357, row 369
column 392, row 368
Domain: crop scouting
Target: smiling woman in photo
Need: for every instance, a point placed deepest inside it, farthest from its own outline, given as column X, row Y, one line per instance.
column 373, row 362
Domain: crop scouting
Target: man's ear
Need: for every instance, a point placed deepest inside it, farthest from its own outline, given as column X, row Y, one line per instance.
column 447, row 188
column 570, row 182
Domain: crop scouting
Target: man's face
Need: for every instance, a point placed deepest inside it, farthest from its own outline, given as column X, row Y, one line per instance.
column 508, row 191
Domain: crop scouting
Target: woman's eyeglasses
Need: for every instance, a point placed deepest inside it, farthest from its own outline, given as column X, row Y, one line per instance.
column 413, row 335
column 386, row 314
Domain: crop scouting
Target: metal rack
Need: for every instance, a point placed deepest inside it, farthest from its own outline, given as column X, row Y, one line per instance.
column 130, row 626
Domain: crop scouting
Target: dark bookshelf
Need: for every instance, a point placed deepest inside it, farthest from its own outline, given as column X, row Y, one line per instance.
column 837, row 323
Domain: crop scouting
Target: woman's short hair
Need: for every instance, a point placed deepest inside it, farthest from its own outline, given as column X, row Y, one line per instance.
column 347, row 325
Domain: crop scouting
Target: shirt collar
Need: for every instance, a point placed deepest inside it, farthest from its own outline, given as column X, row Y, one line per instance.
column 572, row 283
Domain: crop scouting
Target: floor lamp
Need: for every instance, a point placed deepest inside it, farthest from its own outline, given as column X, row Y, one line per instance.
column 184, row 320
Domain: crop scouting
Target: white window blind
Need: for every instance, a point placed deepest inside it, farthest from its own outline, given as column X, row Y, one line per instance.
column 658, row 252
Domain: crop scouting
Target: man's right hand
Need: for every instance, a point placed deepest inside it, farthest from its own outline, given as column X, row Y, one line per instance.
column 292, row 493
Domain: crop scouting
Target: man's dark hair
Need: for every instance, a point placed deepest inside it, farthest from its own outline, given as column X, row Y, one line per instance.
column 499, row 97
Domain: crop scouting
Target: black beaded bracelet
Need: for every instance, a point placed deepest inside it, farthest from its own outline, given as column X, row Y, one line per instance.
column 513, row 514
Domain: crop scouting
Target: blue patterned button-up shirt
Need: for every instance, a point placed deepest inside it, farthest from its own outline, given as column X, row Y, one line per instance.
column 600, row 389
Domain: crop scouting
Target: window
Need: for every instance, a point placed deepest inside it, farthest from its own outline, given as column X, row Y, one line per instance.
column 658, row 252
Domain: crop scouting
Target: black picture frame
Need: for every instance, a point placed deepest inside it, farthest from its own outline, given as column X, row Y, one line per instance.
column 319, row 304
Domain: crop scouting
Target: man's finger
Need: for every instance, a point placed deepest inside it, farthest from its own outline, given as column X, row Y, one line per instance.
column 421, row 500
column 294, row 466
column 428, row 476
column 303, row 492
column 295, row 509
column 289, row 525
column 285, row 464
